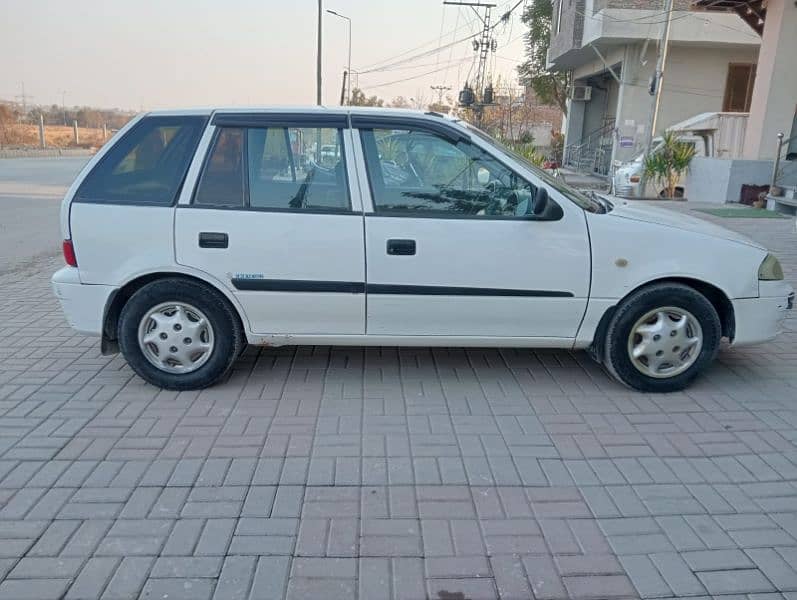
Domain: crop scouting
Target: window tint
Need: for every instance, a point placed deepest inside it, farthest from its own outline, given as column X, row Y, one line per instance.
column 420, row 172
column 296, row 168
column 147, row 165
column 222, row 181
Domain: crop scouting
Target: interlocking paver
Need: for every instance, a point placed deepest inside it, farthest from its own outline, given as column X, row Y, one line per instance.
column 392, row 473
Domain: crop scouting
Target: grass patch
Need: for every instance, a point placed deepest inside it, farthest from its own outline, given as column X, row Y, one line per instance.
column 741, row 213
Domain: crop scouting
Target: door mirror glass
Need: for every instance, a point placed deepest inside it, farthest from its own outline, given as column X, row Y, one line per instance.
column 483, row 176
column 541, row 201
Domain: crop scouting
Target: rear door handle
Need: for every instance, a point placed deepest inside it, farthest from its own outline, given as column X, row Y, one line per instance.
column 213, row 239
column 401, row 247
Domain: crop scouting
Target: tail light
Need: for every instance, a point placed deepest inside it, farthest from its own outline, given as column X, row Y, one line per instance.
column 69, row 253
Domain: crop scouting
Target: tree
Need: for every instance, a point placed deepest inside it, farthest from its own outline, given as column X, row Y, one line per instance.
column 550, row 86
column 669, row 162
column 399, row 102
column 358, row 98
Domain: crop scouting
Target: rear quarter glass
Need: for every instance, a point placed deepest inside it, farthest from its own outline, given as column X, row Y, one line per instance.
column 146, row 166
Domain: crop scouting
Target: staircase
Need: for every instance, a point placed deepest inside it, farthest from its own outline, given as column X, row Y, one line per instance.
column 592, row 154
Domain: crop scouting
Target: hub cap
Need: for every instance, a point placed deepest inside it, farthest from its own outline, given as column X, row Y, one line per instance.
column 176, row 337
column 665, row 342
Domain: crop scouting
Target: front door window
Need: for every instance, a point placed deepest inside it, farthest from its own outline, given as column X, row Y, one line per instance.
column 416, row 173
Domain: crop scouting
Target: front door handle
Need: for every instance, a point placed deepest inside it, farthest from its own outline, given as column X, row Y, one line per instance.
column 401, row 247
column 213, row 239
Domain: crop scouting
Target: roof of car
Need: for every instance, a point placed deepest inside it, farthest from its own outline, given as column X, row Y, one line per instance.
column 355, row 110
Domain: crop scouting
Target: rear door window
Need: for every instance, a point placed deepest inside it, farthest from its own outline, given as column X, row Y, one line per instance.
column 276, row 169
column 148, row 165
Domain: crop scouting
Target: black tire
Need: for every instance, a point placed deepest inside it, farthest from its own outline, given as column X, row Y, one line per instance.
column 228, row 334
column 616, row 353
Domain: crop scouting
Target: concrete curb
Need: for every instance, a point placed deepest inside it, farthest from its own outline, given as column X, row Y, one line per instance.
column 44, row 152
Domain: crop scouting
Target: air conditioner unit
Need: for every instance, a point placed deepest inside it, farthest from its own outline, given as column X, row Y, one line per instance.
column 581, row 93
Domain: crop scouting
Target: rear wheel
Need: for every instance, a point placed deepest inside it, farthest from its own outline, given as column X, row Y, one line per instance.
column 661, row 338
column 179, row 334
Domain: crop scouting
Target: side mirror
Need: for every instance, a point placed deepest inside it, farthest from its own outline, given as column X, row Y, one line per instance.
column 540, row 202
column 483, row 176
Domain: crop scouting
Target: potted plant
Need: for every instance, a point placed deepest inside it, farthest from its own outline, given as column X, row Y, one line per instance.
column 669, row 163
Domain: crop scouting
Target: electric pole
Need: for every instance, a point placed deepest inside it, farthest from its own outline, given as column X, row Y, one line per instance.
column 318, row 57
column 658, row 76
column 24, row 98
column 440, row 89
column 484, row 45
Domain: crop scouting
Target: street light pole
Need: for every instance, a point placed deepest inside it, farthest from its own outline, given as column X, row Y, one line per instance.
column 658, row 76
column 348, row 68
column 318, row 56
column 63, row 105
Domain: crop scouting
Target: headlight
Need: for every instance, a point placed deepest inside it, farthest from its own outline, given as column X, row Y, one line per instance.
column 770, row 269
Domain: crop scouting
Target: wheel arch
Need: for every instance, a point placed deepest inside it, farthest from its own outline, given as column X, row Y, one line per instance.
column 117, row 300
column 718, row 298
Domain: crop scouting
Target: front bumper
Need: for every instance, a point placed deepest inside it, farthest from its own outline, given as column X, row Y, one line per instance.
column 83, row 305
column 761, row 319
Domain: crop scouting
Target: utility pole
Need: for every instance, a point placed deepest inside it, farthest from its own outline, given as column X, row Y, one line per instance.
column 318, row 56
column 440, row 89
column 24, row 98
column 343, row 89
column 484, row 46
column 658, row 76
column 63, row 105
column 485, row 43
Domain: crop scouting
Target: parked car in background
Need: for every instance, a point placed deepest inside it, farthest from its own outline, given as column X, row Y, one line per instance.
column 194, row 233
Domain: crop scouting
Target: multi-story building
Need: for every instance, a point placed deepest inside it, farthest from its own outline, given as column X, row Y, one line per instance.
column 610, row 48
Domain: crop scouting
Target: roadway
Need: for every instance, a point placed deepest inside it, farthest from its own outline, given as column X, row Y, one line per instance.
column 30, row 196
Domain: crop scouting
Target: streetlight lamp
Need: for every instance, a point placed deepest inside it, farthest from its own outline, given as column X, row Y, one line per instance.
column 348, row 81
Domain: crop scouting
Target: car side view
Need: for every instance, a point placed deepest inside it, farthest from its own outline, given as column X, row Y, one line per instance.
column 193, row 233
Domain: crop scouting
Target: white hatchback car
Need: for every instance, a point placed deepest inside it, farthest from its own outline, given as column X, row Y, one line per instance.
column 195, row 232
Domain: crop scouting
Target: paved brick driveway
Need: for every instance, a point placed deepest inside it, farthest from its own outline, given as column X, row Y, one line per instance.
column 383, row 473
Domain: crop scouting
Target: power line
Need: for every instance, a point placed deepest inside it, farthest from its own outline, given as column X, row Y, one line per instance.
column 389, row 83
column 405, row 52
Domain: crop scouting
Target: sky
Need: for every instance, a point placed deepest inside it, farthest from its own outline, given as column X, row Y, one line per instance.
column 148, row 54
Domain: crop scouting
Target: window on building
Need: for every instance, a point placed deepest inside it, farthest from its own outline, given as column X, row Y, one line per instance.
column 739, row 87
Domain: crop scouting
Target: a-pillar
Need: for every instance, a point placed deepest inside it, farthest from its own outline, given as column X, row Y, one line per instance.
column 775, row 93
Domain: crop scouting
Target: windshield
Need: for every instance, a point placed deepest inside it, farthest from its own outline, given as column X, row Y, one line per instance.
column 587, row 202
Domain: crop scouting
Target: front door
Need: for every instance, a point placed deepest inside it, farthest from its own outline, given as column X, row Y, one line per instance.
column 274, row 219
column 453, row 250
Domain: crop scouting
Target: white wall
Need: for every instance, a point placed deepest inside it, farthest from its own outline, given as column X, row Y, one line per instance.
column 775, row 92
column 720, row 180
column 694, row 83
column 628, row 24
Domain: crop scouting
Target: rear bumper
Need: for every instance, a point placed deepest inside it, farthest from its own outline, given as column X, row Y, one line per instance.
column 83, row 305
column 761, row 319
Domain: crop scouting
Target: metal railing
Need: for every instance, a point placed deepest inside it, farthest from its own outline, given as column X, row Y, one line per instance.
column 592, row 154
column 779, row 150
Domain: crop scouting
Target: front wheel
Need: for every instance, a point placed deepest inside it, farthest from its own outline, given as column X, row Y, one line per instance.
column 661, row 338
column 179, row 334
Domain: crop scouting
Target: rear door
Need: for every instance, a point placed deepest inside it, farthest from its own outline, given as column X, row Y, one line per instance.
column 274, row 218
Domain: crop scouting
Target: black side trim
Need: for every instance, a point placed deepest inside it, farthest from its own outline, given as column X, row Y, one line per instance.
column 298, row 285
column 437, row 290
column 357, row 287
column 283, row 119
column 440, row 127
